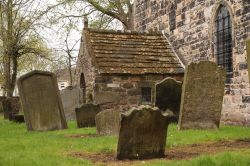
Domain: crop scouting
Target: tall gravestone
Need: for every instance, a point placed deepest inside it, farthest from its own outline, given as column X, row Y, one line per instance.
column 202, row 96
column 41, row 102
column 248, row 57
column 168, row 96
column 85, row 115
column 108, row 122
column 142, row 134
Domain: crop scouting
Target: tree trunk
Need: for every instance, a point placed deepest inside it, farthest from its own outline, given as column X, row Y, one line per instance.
column 7, row 79
column 13, row 76
column 131, row 18
column 70, row 70
column 9, row 49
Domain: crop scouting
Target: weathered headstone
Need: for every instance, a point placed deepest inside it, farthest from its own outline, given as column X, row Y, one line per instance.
column 202, row 96
column 10, row 106
column 41, row 102
column 85, row 115
column 108, row 122
column 16, row 118
column 19, row 118
column 248, row 57
column 142, row 134
column 168, row 96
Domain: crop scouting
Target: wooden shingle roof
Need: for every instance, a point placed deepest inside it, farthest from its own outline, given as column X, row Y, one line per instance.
column 115, row 52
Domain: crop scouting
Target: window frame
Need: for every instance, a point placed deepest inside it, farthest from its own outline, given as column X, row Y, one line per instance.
column 145, row 102
column 223, row 51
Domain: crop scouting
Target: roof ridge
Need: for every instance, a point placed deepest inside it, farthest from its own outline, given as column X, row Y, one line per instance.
column 124, row 32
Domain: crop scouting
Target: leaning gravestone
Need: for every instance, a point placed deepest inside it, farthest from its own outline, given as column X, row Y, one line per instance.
column 41, row 102
column 108, row 122
column 142, row 134
column 248, row 57
column 202, row 96
column 168, row 96
column 85, row 115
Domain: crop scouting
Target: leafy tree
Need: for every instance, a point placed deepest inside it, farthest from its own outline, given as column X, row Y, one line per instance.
column 20, row 21
column 68, row 46
column 121, row 10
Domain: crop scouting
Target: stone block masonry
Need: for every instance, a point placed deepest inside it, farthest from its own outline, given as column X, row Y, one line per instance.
column 190, row 27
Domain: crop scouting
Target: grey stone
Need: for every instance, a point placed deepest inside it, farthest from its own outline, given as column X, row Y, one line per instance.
column 85, row 115
column 142, row 134
column 202, row 96
column 108, row 122
column 243, row 66
column 168, row 96
column 106, row 97
column 41, row 102
column 246, row 99
column 71, row 98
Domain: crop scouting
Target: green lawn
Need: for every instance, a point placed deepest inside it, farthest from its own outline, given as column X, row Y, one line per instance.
column 19, row 147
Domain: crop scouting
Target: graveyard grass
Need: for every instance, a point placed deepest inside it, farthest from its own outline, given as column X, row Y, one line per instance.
column 19, row 147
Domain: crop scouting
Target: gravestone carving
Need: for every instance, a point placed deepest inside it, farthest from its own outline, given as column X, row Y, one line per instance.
column 248, row 57
column 108, row 122
column 41, row 102
column 142, row 134
column 168, row 96
column 202, row 96
column 85, row 115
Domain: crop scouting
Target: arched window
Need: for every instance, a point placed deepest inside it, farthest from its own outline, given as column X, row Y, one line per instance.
column 82, row 81
column 83, row 87
column 223, row 40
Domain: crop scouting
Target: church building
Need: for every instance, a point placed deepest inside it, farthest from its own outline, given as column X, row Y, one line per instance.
column 214, row 30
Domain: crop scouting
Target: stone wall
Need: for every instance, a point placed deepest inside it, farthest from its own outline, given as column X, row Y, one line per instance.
column 189, row 25
column 71, row 98
column 86, row 68
column 122, row 92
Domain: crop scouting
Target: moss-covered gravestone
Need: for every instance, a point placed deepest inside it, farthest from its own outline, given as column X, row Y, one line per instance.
column 202, row 96
column 108, row 122
column 41, row 102
column 142, row 134
column 85, row 115
column 248, row 57
column 168, row 96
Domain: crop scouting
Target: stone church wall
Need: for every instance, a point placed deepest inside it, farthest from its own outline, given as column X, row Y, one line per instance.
column 121, row 92
column 189, row 25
